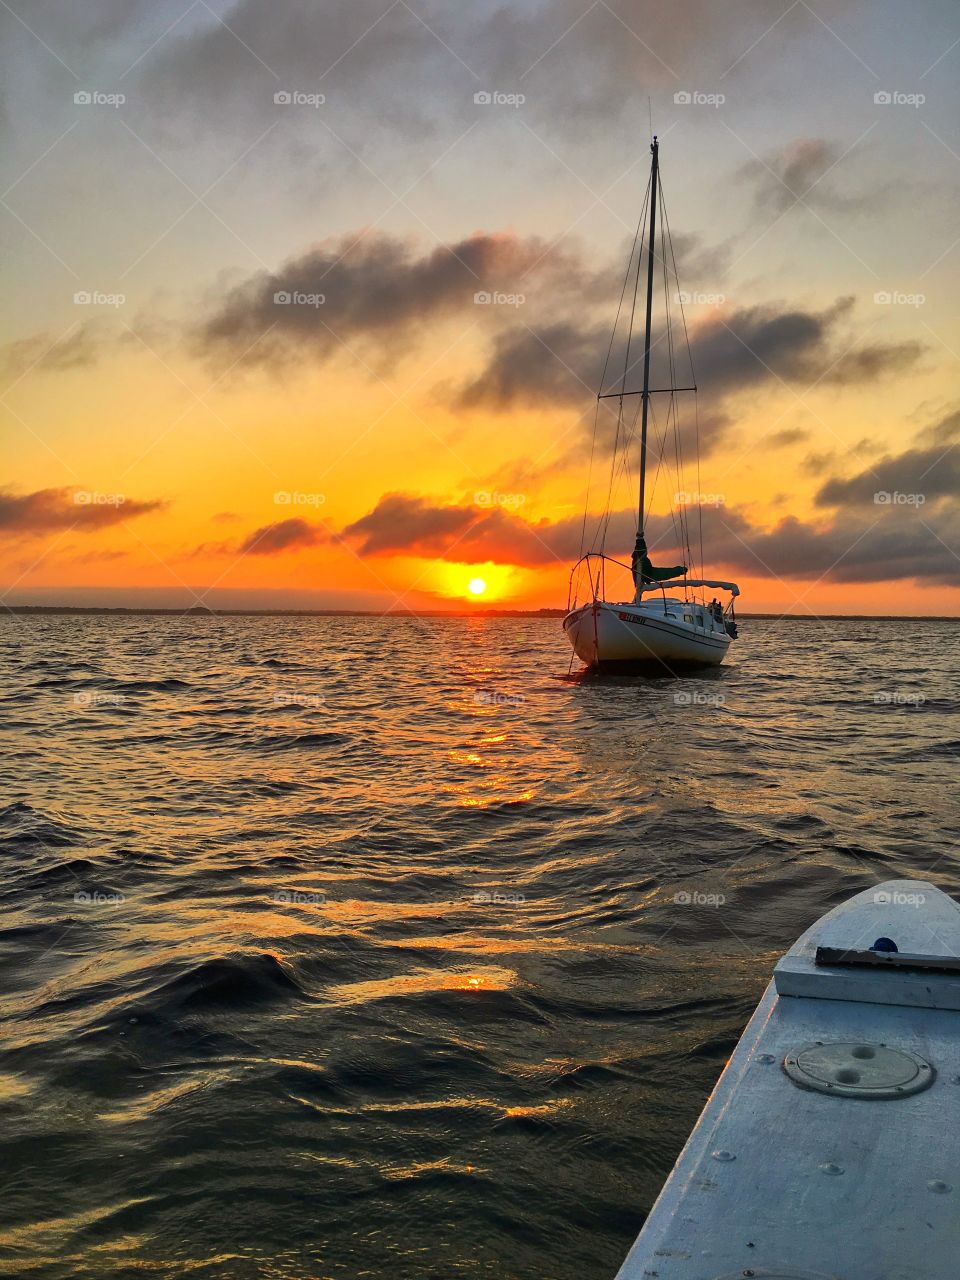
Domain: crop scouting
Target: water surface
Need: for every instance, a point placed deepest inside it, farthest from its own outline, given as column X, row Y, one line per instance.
column 353, row 947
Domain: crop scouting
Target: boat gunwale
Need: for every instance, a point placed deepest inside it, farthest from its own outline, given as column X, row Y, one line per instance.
column 680, row 630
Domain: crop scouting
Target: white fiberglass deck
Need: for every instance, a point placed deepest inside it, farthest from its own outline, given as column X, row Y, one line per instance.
column 789, row 1183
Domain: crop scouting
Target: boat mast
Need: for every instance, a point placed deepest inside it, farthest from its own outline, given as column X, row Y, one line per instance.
column 645, row 394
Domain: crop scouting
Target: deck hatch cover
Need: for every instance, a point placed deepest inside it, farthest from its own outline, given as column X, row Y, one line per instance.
column 858, row 1069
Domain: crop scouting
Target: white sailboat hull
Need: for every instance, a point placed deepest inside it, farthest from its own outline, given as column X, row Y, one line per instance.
column 654, row 633
column 846, row 1175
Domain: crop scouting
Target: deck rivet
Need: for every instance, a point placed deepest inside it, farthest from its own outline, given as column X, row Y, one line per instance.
column 936, row 1185
column 723, row 1155
column 831, row 1168
column 765, row 1057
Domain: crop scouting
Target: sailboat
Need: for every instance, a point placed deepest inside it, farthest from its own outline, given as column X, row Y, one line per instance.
column 666, row 623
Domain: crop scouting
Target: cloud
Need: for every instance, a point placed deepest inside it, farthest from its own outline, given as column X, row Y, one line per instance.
column 789, row 435
column 384, row 65
column 368, row 286
column 808, row 172
column 889, row 543
column 405, row 524
column 557, row 364
column 79, row 348
column 284, row 535
column 85, row 510
column 753, row 344
column 930, row 469
column 790, row 173
column 411, row 525
column 730, row 352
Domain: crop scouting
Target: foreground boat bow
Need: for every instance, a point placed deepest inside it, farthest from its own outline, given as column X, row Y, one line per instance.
column 828, row 1149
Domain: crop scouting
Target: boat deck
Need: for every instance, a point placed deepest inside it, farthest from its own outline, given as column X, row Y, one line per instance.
column 785, row 1181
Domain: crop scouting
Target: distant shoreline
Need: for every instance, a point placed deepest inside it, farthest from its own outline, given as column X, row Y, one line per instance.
column 94, row 611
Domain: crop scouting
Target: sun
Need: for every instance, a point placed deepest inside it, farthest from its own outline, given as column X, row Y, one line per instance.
column 476, row 586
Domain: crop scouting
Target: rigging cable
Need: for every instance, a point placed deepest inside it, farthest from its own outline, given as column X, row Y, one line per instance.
column 641, row 228
column 693, row 382
column 674, row 405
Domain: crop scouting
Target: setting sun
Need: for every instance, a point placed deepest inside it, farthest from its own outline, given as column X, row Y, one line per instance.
column 476, row 586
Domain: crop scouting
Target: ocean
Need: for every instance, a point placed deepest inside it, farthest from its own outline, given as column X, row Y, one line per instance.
column 380, row 947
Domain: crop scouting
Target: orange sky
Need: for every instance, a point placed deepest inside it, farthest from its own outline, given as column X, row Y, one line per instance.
column 151, row 429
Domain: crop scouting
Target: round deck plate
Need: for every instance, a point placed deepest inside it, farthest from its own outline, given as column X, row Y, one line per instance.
column 858, row 1069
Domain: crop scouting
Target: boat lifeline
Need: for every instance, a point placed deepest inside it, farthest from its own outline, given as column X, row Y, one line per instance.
column 830, row 1147
column 651, row 627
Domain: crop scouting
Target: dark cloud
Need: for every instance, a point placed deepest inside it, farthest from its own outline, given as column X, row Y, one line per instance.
column 933, row 473
column 371, row 286
column 819, row 462
column 557, row 364
column 389, row 64
column 82, row 509
column 79, row 348
column 889, row 543
column 789, row 435
column 730, row 352
column 403, row 524
column 406, row 524
column 84, row 345
column 807, row 170
column 284, row 535
column 753, row 344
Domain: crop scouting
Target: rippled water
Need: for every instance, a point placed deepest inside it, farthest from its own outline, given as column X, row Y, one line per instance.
column 376, row 948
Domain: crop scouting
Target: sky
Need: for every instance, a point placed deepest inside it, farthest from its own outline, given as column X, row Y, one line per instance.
column 307, row 303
